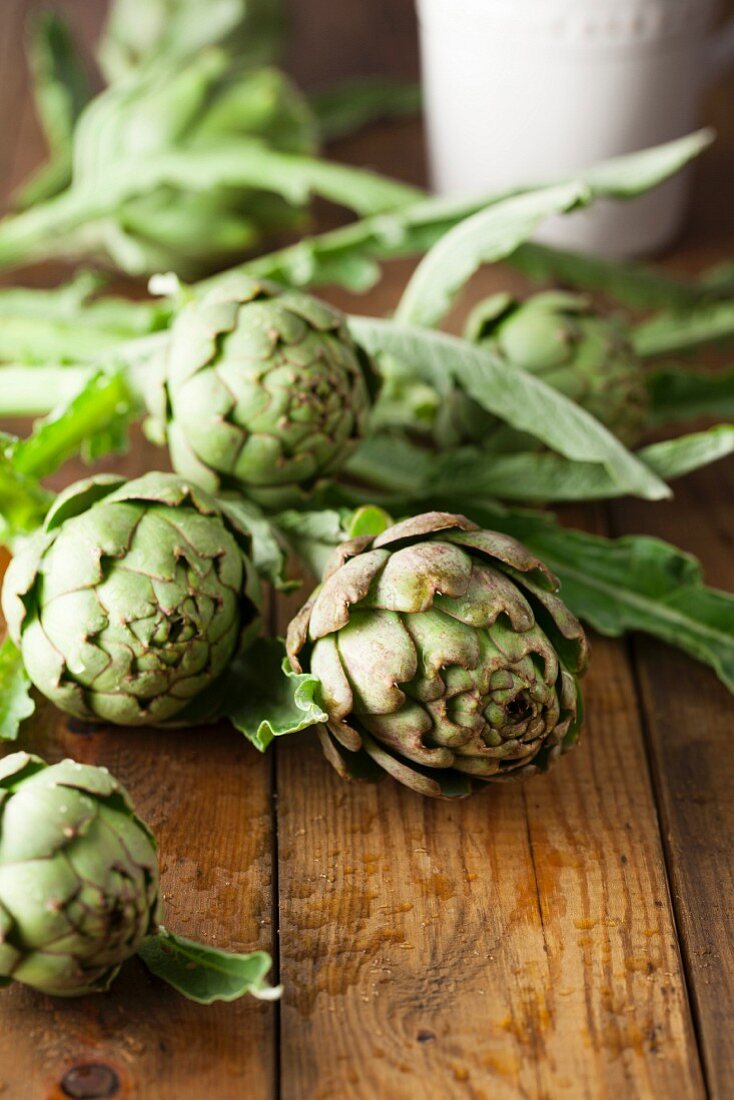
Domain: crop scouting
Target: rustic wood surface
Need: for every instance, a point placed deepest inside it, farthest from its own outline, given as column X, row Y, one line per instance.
column 567, row 938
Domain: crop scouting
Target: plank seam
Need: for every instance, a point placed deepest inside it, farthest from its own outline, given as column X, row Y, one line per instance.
column 538, row 899
column 686, row 967
column 275, row 889
column 652, row 772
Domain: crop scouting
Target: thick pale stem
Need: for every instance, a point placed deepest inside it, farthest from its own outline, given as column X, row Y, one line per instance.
column 35, row 391
column 38, row 390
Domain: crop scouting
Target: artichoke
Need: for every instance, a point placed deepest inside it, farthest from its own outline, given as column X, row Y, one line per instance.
column 260, row 390
column 560, row 338
column 443, row 655
column 132, row 598
column 78, row 876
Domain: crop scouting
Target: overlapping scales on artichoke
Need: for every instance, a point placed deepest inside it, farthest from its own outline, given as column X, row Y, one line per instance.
column 444, row 657
column 260, row 390
column 561, row 339
column 132, row 599
column 78, row 876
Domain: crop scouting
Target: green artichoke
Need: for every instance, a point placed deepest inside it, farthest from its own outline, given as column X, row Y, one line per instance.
column 78, row 876
column 260, row 390
column 132, row 598
column 560, row 338
column 444, row 657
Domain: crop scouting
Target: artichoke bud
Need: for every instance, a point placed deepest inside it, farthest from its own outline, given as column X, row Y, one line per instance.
column 444, row 657
column 560, row 338
column 260, row 390
column 132, row 599
column 78, row 876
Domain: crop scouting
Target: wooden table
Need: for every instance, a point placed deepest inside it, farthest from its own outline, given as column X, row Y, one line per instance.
column 571, row 937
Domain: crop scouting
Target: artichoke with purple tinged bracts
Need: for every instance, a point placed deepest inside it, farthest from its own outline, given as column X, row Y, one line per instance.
column 444, row 657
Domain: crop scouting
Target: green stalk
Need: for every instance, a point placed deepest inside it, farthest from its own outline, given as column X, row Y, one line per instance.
column 35, row 391
column 672, row 333
column 42, row 229
column 38, row 390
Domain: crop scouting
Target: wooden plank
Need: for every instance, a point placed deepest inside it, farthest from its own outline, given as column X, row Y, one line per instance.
column 520, row 943
column 207, row 796
column 690, row 721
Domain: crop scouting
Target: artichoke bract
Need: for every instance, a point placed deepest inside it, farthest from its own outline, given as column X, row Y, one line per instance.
column 444, row 656
column 132, row 598
column 78, row 876
column 560, row 338
column 260, row 390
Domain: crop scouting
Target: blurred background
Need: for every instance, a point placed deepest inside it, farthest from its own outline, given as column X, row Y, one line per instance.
column 328, row 42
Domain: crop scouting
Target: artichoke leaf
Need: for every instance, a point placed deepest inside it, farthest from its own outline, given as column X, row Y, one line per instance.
column 16, row 701
column 207, row 974
column 517, row 397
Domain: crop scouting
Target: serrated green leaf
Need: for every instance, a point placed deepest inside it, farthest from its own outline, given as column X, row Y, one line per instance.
column 23, row 501
column 207, row 974
column 272, row 699
column 94, row 423
column 16, row 702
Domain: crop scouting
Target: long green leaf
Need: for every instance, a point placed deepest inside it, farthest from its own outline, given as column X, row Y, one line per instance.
column 675, row 457
column 349, row 257
column 483, row 238
column 394, row 465
column 633, row 583
column 62, row 90
column 497, row 232
column 519, row 398
column 678, row 394
column 45, row 230
column 632, row 284
column 350, row 106
column 671, row 333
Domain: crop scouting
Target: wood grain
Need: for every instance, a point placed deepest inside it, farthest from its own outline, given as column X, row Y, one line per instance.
column 690, row 720
column 519, row 945
column 207, row 795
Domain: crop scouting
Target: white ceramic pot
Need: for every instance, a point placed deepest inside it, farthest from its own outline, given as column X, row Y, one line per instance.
column 526, row 91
